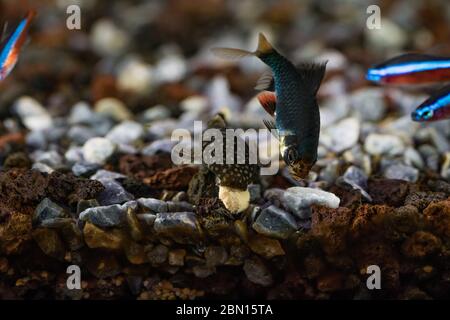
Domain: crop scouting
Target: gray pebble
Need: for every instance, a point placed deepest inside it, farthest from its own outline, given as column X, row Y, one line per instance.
column 275, row 222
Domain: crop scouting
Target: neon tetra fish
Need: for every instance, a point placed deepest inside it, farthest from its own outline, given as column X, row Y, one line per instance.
column 436, row 107
column 410, row 69
column 293, row 104
column 12, row 45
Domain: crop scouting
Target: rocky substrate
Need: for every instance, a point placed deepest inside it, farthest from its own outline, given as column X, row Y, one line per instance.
column 167, row 247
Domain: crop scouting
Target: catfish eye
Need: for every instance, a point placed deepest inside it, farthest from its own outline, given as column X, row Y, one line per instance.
column 291, row 156
column 428, row 114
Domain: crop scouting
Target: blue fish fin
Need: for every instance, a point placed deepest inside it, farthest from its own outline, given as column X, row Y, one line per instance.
column 266, row 82
column 312, row 75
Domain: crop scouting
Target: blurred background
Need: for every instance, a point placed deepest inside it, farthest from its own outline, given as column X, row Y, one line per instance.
column 157, row 52
column 150, row 61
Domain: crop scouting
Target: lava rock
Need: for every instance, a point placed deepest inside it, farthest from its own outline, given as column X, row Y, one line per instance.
column 388, row 191
column 437, row 215
column 421, row 244
column 173, row 178
column 421, row 199
column 15, row 232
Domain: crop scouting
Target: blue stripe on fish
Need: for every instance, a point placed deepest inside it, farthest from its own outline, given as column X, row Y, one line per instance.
column 426, row 111
column 439, row 103
column 376, row 74
column 11, row 41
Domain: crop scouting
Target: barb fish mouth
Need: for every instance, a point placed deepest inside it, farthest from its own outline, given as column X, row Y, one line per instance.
column 299, row 170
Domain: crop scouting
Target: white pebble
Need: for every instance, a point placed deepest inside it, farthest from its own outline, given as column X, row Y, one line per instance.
column 126, row 132
column 33, row 115
column 135, row 76
column 98, row 150
column 297, row 198
column 114, row 108
column 107, row 39
column 342, row 135
column 384, row 144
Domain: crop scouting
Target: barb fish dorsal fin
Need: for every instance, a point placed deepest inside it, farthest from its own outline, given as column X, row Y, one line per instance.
column 312, row 75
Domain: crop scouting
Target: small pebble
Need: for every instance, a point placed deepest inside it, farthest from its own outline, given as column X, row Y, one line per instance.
column 275, row 222
column 383, row 144
column 98, row 150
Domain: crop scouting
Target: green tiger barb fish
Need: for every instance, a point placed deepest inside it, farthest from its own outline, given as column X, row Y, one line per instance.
column 290, row 97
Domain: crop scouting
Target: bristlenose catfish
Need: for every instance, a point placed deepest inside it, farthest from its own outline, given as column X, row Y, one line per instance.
column 291, row 99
